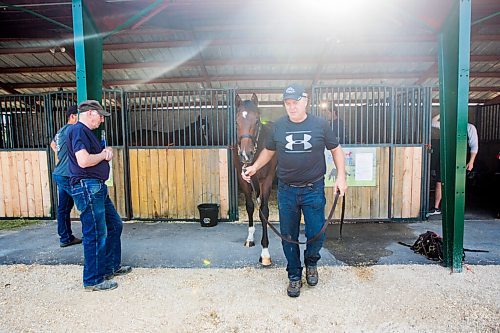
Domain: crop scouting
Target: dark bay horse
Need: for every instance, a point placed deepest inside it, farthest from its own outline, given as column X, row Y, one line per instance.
column 194, row 134
column 251, row 137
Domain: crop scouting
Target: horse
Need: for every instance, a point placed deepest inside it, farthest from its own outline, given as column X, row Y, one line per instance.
column 194, row 134
column 251, row 137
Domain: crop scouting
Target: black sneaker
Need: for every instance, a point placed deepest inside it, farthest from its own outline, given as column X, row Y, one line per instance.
column 312, row 275
column 105, row 285
column 293, row 289
column 120, row 271
column 434, row 211
column 73, row 242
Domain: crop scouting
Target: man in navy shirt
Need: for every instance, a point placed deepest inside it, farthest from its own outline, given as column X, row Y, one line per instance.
column 101, row 224
column 61, row 176
column 299, row 140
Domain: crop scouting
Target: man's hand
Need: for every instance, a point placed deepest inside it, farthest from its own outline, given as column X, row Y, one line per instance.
column 108, row 151
column 470, row 166
column 248, row 172
column 340, row 186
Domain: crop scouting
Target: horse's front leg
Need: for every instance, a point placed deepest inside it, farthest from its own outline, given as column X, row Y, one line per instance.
column 250, row 209
column 265, row 257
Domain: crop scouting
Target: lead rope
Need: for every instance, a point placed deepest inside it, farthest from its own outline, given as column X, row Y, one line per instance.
column 319, row 234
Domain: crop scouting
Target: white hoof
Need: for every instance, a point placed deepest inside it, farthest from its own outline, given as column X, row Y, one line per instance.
column 266, row 261
column 249, row 243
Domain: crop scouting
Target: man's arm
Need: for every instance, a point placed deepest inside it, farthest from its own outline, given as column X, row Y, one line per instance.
column 339, row 160
column 265, row 156
column 53, row 146
column 86, row 160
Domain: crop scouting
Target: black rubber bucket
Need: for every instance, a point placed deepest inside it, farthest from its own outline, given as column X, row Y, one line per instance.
column 209, row 214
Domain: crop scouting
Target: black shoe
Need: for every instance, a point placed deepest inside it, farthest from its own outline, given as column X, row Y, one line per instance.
column 73, row 242
column 120, row 271
column 105, row 285
column 293, row 289
column 434, row 211
column 312, row 275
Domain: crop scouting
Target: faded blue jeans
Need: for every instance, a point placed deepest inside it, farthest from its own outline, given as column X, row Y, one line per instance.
column 310, row 201
column 101, row 227
column 64, row 206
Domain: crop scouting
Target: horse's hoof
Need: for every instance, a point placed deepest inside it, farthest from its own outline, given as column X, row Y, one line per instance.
column 265, row 261
column 249, row 243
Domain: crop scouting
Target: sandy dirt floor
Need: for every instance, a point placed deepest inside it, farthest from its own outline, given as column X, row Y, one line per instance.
column 407, row 298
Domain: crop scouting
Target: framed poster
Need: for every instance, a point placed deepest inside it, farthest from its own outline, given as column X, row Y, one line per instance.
column 360, row 164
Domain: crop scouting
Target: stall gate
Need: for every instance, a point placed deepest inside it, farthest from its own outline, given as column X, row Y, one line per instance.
column 173, row 150
column 391, row 127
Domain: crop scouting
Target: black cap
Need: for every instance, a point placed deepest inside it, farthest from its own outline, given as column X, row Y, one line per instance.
column 294, row 91
column 73, row 109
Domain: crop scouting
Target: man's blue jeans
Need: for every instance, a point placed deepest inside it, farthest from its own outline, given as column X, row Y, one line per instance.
column 101, row 227
column 292, row 201
column 64, row 206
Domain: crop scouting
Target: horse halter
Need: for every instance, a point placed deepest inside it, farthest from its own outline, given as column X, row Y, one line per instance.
column 255, row 139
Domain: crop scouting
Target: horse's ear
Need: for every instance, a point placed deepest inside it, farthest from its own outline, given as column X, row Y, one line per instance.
column 255, row 100
column 237, row 101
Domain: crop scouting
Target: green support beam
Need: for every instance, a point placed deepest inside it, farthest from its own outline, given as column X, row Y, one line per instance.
column 88, row 54
column 453, row 57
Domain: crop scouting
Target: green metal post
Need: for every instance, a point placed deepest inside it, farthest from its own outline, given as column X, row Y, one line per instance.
column 454, row 51
column 88, row 54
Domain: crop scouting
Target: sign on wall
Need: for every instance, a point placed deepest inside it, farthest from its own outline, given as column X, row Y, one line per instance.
column 360, row 166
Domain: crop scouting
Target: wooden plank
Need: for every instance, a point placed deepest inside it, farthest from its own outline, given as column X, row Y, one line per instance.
column 118, row 180
column 14, row 184
column 374, row 190
column 163, row 181
column 223, row 184
column 384, row 183
column 180, row 183
column 365, row 202
column 397, row 182
column 144, row 183
column 155, row 193
column 198, row 177
column 416, row 183
column 37, row 183
column 214, row 175
column 30, row 186
column 134, row 182
column 5, row 207
column 189, row 182
column 172, row 184
column 44, row 183
column 407, row 178
column 21, row 178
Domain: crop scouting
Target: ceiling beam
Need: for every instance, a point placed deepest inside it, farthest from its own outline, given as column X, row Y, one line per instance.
column 8, row 88
column 430, row 73
column 264, row 77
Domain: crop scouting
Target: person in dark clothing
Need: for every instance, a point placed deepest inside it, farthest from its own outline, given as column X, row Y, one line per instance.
column 61, row 176
column 299, row 140
column 101, row 224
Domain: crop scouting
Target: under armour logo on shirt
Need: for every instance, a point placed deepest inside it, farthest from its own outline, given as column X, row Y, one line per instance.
column 298, row 145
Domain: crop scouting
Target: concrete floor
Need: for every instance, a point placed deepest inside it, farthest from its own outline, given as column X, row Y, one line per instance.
column 188, row 245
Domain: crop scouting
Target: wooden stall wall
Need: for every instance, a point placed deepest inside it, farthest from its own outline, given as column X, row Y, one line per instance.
column 24, row 184
column 406, row 182
column 366, row 202
column 171, row 183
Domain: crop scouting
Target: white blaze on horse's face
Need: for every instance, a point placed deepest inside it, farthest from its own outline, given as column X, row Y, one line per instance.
column 244, row 114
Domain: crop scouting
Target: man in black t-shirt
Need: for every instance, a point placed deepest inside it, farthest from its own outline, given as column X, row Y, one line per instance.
column 299, row 140
column 101, row 225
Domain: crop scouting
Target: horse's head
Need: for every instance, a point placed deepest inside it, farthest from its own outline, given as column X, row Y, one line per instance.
column 248, row 128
